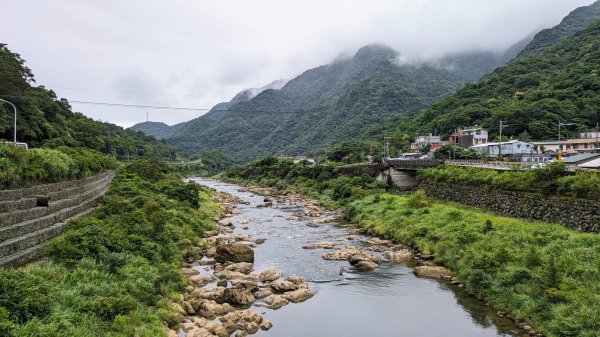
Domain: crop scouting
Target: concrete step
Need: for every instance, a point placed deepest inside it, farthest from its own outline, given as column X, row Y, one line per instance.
column 33, row 225
column 18, row 204
column 45, row 189
column 12, row 218
column 24, row 256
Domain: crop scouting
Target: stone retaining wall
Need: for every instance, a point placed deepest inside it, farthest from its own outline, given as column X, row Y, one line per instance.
column 577, row 214
column 30, row 217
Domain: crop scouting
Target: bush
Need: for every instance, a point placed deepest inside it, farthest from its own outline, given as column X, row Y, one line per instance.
column 106, row 274
column 20, row 167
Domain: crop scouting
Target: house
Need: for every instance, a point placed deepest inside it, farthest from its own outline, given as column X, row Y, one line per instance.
column 509, row 148
column 468, row 137
column 430, row 140
column 593, row 164
column 580, row 158
column 569, row 146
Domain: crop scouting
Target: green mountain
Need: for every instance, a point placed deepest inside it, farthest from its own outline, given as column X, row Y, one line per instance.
column 571, row 24
column 45, row 120
column 157, row 130
column 328, row 104
column 532, row 94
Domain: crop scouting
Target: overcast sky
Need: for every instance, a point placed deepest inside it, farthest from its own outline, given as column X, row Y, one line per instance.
column 196, row 53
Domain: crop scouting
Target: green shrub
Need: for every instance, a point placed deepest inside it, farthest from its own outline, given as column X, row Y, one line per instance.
column 24, row 167
column 106, row 274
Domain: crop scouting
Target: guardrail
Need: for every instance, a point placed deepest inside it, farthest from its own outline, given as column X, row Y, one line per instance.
column 498, row 165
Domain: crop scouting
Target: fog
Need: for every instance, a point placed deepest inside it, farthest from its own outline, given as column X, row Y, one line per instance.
column 198, row 53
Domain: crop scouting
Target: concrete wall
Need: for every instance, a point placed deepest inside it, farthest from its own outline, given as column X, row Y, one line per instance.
column 577, row 214
column 400, row 178
column 30, row 217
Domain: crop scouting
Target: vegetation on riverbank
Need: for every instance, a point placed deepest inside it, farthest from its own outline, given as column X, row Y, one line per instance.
column 208, row 164
column 318, row 182
column 545, row 274
column 35, row 166
column 116, row 272
column 552, row 180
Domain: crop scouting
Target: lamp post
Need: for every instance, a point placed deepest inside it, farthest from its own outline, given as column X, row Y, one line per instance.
column 15, row 109
column 559, row 158
column 502, row 126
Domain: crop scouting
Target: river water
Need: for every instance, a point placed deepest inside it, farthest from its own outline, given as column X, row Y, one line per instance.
column 389, row 301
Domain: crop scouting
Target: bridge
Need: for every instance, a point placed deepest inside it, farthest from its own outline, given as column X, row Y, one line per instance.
column 403, row 172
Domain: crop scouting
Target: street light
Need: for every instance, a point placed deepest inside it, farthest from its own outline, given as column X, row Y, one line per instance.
column 15, row 109
column 559, row 158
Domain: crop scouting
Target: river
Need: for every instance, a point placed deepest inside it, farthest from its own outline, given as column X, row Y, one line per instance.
column 389, row 301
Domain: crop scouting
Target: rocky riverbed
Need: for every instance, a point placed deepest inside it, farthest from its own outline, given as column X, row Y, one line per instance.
column 272, row 251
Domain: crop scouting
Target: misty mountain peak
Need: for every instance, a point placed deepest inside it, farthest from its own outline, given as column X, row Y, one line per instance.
column 375, row 52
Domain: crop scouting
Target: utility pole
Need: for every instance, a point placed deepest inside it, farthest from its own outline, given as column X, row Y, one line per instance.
column 15, row 129
column 502, row 126
column 559, row 157
column 387, row 147
column 597, row 131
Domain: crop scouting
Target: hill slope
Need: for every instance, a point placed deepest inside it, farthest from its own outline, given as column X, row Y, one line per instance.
column 532, row 94
column 326, row 105
column 45, row 120
column 571, row 24
column 157, row 130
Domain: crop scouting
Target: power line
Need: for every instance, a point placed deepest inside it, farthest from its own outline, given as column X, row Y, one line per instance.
column 140, row 106
column 137, row 92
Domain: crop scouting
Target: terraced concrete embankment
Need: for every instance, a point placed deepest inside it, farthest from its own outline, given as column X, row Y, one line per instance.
column 30, row 217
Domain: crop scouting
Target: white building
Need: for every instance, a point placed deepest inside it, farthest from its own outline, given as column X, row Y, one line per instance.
column 509, row 148
column 429, row 139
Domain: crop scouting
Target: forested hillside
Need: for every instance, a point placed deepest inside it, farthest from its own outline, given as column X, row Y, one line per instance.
column 571, row 24
column 157, row 130
column 45, row 120
column 327, row 105
column 531, row 94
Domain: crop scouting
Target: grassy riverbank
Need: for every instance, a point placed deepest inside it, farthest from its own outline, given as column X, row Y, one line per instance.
column 317, row 182
column 116, row 272
column 20, row 167
column 545, row 274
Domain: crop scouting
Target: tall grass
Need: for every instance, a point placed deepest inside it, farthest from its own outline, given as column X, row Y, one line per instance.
column 23, row 167
column 540, row 272
column 111, row 274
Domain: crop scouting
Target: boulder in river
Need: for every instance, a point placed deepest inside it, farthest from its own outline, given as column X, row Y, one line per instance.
column 297, row 280
column 263, row 292
column 341, row 254
column 234, row 275
column 365, row 265
column 234, row 252
column 244, row 320
column 273, row 302
column 320, row 245
column 284, row 286
column 240, row 267
column 200, row 280
column 398, row 256
column 299, row 295
column 209, row 308
column 431, row 271
column 269, row 275
column 363, row 256
column 240, row 296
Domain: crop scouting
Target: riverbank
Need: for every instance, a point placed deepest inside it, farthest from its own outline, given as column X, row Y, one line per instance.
column 223, row 285
column 116, row 272
column 542, row 275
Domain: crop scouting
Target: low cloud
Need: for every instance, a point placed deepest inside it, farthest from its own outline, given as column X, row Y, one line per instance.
column 214, row 49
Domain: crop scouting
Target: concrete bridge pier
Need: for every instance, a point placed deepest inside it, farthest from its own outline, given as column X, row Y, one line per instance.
column 403, row 179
